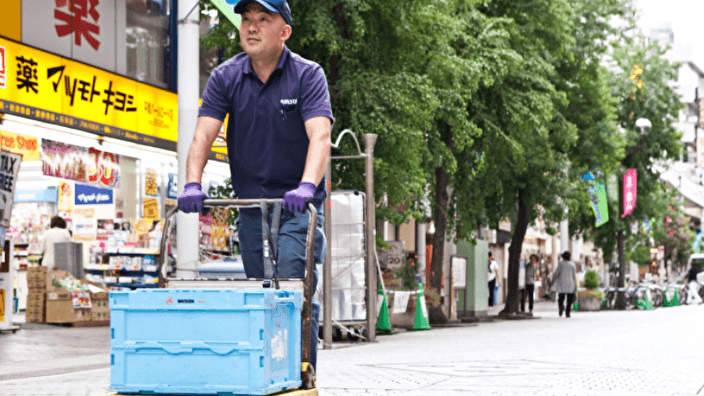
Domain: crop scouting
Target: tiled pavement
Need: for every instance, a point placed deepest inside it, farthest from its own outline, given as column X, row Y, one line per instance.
column 591, row 354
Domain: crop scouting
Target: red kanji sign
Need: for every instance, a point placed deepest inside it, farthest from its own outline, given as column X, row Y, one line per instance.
column 3, row 68
column 75, row 20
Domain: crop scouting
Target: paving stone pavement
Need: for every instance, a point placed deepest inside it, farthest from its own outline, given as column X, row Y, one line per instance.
column 591, row 354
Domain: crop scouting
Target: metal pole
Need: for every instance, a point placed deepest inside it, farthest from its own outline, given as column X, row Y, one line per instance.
column 188, row 91
column 621, row 296
column 564, row 235
column 327, row 264
column 369, row 142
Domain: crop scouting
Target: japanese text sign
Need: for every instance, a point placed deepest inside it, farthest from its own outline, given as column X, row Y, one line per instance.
column 9, row 168
column 629, row 191
column 58, row 90
column 28, row 146
column 89, row 195
column 87, row 165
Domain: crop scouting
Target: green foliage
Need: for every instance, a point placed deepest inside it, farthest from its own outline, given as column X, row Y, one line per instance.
column 591, row 280
column 407, row 275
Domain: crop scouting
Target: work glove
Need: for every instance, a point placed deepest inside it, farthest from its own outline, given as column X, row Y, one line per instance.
column 191, row 199
column 295, row 200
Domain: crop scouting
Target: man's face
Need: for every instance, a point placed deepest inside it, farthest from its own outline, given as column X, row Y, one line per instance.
column 262, row 32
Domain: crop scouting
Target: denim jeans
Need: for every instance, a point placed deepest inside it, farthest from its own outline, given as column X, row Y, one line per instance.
column 291, row 253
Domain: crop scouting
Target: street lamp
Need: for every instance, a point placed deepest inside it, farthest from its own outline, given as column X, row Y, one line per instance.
column 641, row 123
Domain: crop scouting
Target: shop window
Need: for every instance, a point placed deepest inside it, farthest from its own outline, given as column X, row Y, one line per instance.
column 149, row 41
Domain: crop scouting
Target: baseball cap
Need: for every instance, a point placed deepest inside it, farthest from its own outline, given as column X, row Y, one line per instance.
column 276, row 6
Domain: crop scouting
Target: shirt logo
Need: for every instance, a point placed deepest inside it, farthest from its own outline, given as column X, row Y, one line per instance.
column 289, row 101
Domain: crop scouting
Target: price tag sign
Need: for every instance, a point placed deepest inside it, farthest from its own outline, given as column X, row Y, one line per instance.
column 81, row 300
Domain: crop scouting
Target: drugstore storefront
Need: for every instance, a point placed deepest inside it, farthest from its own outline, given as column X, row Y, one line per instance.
column 99, row 150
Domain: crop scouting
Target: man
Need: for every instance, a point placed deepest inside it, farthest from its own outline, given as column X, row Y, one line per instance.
column 493, row 277
column 527, row 292
column 278, row 139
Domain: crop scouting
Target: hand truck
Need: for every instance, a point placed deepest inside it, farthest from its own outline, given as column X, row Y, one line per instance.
column 308, row 387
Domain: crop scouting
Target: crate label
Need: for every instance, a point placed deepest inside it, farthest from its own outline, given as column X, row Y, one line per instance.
column 52, row 296
column 81, row 300
column 279, row 345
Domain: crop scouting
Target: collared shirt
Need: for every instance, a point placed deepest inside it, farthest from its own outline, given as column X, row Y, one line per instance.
column 267, row 143
column 530, row 274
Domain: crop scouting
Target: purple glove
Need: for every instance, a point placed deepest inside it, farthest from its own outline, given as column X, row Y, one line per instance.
column 191, row 199
column 295, row 200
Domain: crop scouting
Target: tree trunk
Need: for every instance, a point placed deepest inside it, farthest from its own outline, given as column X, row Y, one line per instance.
column 514, row 255
column 442, row 204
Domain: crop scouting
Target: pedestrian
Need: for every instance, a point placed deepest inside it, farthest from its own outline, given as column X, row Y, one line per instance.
column 564, row 282
column 278, row 139
column 693, row 293
column 531, row 271
column 57, row 233
column 493, row 277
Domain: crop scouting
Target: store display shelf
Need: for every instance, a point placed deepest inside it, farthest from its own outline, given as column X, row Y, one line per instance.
column 126, row 251
column 140, row 285
column 152, row 269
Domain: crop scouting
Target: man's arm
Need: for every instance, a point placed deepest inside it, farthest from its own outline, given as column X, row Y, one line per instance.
column 207, row 130
column 318, row 131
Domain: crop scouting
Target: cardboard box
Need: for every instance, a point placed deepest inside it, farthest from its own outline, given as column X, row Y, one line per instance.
column 59, row 305
column 100, row 316
column 36, row 299
column 60, row 310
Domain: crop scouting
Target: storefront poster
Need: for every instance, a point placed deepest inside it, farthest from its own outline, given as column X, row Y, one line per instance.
column 3, row 235
column 66, row 196
column 151, row 208
column 84, row 229
column 172, row 192
column 9, row 168
column 28, row 146
column 85, row 165
column 150, row 183
column 89, row 195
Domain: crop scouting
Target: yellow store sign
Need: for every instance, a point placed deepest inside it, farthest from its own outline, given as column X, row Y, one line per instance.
column 54, row 89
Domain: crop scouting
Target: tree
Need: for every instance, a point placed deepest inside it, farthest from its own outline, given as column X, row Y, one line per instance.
column 550, row 121
column 640, row 82
column 406, row 74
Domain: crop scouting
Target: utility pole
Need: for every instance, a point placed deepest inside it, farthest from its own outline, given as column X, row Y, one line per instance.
column 621, row 296
column 188, row 51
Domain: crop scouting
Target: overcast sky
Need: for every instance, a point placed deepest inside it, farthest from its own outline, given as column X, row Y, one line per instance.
column 686, row 17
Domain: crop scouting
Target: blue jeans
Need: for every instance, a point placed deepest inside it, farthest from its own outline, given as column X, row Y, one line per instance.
column 291, row 253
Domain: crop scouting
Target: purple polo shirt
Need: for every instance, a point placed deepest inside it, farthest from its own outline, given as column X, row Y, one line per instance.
column 267, row 142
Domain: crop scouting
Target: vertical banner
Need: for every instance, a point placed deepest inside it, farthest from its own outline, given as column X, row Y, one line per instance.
column 9, row 168
column 630, row 189
column 598, row 200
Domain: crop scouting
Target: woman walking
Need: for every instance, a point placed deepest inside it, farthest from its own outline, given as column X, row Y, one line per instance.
column 531, row 269
column 564, row 282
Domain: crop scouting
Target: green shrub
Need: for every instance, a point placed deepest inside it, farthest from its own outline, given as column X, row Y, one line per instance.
column 591, row 280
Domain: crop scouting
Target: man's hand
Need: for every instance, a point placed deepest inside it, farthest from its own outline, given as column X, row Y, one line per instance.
column 191, row 200
column 295, row 200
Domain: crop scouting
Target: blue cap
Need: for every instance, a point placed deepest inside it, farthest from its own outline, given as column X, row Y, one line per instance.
column 276, row 6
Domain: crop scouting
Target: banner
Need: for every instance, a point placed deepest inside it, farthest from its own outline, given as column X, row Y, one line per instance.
column 172, row 189
column 89, row 195
column 85, row 165
column 598, row 199
column 9, row 168
column 28, row 146
column 630, row 189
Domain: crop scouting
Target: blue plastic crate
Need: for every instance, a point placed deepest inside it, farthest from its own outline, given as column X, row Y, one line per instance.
column 227, row 342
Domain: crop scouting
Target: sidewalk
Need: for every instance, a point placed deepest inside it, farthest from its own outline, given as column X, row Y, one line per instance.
column 607, row 353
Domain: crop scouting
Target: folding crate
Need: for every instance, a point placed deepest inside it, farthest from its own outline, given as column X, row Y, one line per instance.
column 227, row 342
